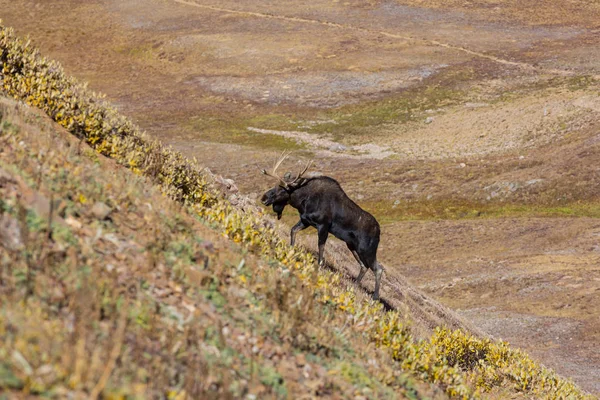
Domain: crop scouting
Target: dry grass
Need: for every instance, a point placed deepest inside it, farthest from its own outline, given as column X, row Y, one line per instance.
column 531, row 12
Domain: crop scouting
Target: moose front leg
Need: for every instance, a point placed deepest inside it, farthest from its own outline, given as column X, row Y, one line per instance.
column 295, row 229
column 323, row 231
column 363, row 271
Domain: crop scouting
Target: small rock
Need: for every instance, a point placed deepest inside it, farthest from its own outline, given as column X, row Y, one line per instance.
column 208, row 246
column 37, row 201
column 338, row 148
column 533, row 181
column 57, row 294
column 10, row 233
column 360, row 196
column 5, row 178
column 101, row 211
column 462, row 165
column 73, row 223
column 231, row 185
column 475, row 105
column 45, row 369
column 239, row 201
column 306, row 371
column 429, row 120
column 227, row 184
column 300, row 360
column 237, row 292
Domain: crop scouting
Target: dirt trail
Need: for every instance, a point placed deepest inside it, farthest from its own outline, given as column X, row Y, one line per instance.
column 431, row 42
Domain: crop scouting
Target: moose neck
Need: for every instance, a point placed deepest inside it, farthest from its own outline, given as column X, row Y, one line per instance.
column 298, row 196
column 311, row 190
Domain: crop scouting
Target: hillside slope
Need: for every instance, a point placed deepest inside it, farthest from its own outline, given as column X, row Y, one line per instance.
column 111, row 288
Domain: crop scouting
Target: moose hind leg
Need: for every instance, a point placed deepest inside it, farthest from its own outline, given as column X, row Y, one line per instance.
column 378, row 270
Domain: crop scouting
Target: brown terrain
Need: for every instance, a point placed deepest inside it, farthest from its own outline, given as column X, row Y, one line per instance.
column 469, row 128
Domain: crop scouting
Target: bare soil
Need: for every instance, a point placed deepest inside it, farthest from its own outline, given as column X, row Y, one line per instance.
column 470, row 129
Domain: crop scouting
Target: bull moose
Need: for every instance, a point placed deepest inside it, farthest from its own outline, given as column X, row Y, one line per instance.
column 323, row 204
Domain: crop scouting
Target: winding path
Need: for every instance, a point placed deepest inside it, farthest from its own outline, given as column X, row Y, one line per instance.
column 336, row 25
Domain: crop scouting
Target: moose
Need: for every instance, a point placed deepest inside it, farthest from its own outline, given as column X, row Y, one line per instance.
column 323, row 204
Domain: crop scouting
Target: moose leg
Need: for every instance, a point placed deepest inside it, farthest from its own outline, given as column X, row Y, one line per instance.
column 378, row 270
column 363, row 269
column 323, row 231
column 295, row 229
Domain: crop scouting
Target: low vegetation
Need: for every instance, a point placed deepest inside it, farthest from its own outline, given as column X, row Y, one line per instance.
column 346, row 124
column 120, row 284
column 444, row 209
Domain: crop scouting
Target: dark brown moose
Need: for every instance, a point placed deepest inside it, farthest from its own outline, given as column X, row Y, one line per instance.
column 322, row 203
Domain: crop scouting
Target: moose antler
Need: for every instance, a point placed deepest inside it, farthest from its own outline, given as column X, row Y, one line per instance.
column 282, row 181
column 297, row 178
column 273, row 173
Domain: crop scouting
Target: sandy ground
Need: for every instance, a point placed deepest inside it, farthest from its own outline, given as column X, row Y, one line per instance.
column 483, row 102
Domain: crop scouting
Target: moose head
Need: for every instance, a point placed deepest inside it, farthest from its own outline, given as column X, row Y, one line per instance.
column 279, row 196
